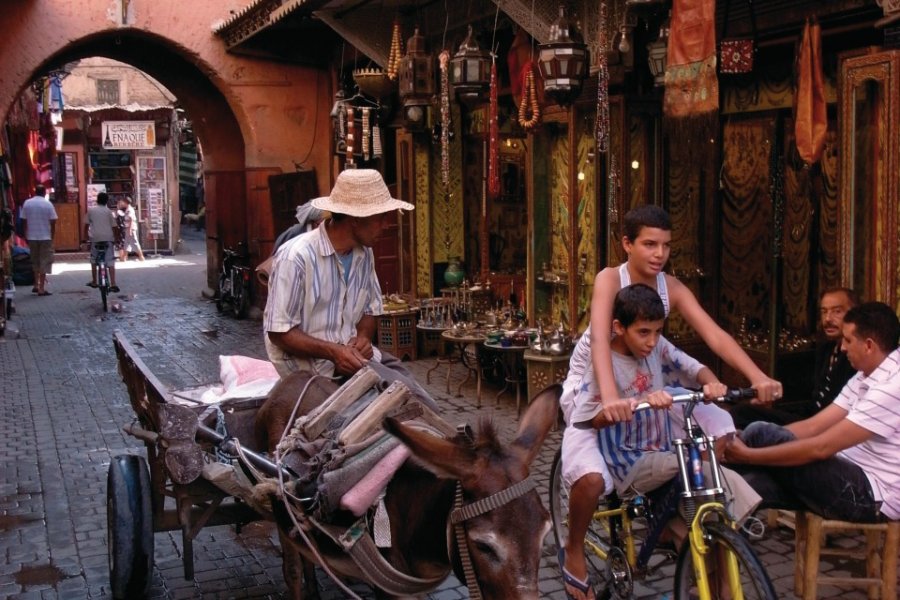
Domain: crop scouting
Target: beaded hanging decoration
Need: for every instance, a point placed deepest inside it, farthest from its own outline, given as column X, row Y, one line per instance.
column 365, row 133
column 444, row 59
column 613, row 190
column 529, row 109
column 395, row 54
column 351, row 135
column 602, row 129
column 376, row 142
column 493, row 138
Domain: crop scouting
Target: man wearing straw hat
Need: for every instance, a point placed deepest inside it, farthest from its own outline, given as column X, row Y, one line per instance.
column 324, row 294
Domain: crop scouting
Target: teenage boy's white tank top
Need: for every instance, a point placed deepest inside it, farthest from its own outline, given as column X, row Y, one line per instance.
column 661, row 289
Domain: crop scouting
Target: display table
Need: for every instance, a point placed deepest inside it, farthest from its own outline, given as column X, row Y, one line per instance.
column 544, row 369
column 468, row 345
column 430, row 342
column 510, row 359
column 435, row 333
column 397, row 333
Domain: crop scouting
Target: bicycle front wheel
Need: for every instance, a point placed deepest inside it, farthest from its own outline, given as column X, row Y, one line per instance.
column 724, row 544
column 598, row 536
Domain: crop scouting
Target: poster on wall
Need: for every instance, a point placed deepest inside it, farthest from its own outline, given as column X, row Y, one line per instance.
column 155, row 210
column 92, row 190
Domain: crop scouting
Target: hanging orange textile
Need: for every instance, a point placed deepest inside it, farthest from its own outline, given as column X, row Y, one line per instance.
column 810, row 112
column 692, row 85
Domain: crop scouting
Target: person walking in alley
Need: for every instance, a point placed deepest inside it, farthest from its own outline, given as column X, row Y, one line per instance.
column 39, row 218
column 129, row 230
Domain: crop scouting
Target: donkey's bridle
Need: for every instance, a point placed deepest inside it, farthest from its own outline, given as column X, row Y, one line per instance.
column 462, row 513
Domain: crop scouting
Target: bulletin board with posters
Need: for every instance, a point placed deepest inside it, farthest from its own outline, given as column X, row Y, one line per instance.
column 152, row 199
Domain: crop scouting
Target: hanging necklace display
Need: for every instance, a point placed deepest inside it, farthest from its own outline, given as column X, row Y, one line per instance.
column 376, row 141
column 493, row 139
column 351, row 130
column 365, row 133
column 529, row 110
column 613, row 190
column 602, row 129
column 396, row 53
column 445, row 119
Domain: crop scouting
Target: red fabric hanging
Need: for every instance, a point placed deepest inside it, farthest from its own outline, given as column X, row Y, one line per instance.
column 810, row 112
column 692, row 85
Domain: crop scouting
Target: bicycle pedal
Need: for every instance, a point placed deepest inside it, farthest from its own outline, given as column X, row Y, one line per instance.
column 753, row 528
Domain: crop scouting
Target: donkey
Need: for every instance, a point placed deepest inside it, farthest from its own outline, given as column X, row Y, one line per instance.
column 504, row 544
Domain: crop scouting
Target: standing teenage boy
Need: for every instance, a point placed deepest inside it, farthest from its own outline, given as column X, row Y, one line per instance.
column 646, row 240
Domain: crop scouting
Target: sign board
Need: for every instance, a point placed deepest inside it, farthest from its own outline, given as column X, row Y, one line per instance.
column 128, row 135
column 155, row 210
column 92, row 190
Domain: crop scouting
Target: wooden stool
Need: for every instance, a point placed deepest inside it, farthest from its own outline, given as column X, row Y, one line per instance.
column 881, row 559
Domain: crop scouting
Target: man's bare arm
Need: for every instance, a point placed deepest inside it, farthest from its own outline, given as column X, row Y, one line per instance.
column 346, row 358
column 800, row 452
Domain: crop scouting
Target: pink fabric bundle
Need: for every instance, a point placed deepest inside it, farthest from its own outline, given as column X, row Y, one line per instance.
column 363, row 494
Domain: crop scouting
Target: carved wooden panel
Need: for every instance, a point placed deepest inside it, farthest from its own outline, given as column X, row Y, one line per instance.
column 745, row 272
column 829, row 272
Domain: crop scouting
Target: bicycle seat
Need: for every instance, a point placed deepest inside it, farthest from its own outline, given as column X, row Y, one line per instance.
column 101, row 245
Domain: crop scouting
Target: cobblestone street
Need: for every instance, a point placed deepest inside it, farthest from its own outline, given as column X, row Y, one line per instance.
column 64, row 405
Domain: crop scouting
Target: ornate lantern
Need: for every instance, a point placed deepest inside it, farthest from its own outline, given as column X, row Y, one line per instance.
column 417, row 85
column 656, row 55
column 470, row 71
column 563, row 61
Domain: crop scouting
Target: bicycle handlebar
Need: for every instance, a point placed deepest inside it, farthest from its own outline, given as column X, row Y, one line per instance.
column 732, row 395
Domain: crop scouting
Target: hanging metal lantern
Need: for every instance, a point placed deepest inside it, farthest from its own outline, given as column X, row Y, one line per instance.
column 417, row 84
column 470, row 71
column 563, row 61
column 656, row 55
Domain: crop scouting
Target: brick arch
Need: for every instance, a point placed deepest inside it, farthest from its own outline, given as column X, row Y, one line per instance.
column 214, row 121
column 253, row 117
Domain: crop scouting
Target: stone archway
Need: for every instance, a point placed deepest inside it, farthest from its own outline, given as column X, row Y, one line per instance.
column 254, row 118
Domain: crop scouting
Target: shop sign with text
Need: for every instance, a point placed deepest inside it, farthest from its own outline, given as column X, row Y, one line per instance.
column 129, row 135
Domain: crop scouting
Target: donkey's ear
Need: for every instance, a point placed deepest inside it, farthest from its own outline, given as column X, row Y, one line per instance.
column 536, row 422
column 442, row 457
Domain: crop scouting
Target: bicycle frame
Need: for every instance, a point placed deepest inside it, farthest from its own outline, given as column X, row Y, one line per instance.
column 702, row 503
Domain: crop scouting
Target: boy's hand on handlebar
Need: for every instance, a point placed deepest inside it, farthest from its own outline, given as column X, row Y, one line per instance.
column 714, row 390
column 657, row 399
column 617, row 410
column 767, row 391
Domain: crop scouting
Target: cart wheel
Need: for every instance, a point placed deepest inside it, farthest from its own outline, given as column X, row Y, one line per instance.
column 129, row 521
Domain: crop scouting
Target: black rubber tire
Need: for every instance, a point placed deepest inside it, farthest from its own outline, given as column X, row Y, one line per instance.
column 222, row 298
column 559, row 508
column 104, row 292
column 241, row 302
column 129, row 521
column 754, row 579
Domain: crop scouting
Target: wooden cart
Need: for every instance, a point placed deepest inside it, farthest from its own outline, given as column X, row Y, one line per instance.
column 180, row 485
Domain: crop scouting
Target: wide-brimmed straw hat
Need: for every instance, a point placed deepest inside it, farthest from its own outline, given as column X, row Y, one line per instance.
column 360, row 193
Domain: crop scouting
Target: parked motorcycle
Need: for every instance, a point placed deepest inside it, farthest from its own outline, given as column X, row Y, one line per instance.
column 234, row 281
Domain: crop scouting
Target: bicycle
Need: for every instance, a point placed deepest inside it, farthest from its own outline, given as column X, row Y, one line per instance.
column 712, row 542
column 234, row 282
column 102, row 271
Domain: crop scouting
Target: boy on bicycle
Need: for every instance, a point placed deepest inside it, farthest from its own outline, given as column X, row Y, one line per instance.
column 646, row 239
column 639, row 453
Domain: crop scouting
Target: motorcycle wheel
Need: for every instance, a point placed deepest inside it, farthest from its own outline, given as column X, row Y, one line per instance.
column 240, row 302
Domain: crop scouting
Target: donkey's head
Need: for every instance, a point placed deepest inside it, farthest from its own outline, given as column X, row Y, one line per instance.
column 503, row 535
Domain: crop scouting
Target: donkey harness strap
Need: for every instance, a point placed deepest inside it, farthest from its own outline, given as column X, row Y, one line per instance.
column 486, row 505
